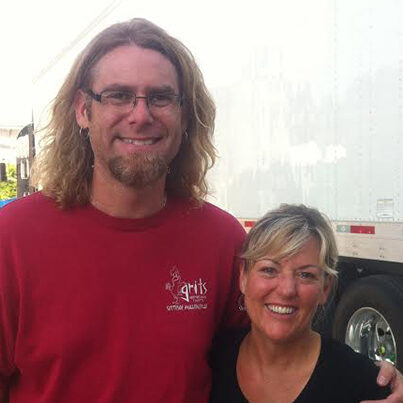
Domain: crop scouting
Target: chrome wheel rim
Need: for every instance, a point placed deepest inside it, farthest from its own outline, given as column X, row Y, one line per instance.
column 369, row 333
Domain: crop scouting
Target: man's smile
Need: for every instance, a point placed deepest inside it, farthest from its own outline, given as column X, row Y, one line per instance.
column 140, row 142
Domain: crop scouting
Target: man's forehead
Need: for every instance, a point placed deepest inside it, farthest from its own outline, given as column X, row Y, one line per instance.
column 134, row 66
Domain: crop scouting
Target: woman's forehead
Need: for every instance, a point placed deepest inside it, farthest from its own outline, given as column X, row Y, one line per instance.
column 310, row 250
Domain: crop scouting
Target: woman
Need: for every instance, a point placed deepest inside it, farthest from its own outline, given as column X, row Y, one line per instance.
column 287, row 272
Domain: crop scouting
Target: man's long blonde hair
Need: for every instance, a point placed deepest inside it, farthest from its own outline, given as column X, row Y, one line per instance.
column 64, row 167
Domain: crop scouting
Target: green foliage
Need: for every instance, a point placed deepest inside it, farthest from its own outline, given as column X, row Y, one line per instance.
column 9, row 189
column 12, row 172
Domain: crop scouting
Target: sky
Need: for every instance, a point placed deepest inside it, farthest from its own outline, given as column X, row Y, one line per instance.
column 34, row 33
column 226, row 36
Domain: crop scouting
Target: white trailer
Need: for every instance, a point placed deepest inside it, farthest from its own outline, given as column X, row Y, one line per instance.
column 309, row 110
column 330, row 138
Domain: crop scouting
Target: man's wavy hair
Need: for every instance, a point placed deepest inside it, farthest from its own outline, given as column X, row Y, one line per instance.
column 64, row 167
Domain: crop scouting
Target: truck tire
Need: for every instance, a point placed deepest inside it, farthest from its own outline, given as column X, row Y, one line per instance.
column 369, row 318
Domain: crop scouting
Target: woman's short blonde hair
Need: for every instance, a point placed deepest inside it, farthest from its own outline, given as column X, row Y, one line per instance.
column 282, row 232
column 64, row 167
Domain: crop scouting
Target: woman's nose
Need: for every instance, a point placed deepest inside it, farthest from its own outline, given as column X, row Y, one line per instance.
column 287, row 285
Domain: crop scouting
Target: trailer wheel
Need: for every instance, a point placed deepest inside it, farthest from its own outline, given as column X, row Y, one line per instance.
column 369, row 318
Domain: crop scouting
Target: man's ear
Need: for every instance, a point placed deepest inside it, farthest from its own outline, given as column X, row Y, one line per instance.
column 243, row 277
column 185, row 123
column 327, row 288
column 80, row 108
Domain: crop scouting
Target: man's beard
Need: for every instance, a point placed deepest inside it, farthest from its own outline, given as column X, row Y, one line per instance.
column 137, row 170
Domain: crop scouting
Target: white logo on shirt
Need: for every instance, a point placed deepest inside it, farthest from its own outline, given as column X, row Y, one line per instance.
column 187, row 295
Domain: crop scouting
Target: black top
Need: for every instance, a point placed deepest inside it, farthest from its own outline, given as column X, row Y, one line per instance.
column 340, row 375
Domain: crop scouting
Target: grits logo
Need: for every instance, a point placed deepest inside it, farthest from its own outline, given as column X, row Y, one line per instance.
column 186, row 295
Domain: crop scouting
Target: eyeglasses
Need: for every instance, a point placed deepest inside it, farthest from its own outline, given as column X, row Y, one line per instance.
column 125, row 100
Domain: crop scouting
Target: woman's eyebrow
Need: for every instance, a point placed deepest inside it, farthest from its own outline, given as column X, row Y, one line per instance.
column 307, row 266
column 269, row 260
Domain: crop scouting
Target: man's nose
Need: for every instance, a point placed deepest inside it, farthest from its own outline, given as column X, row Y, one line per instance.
column 140, row 112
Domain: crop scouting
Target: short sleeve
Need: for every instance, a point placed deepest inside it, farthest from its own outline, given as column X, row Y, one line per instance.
column 8, row 311
column 367, row 387
column 234, row 317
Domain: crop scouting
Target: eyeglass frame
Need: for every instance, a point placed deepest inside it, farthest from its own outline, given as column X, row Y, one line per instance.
column 98, row 97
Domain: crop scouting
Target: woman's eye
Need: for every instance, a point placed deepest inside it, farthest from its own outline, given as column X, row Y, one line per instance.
column 306, row 275
column 271, row 271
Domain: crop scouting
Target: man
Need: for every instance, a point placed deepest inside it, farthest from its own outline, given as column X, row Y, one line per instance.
column 115, row 278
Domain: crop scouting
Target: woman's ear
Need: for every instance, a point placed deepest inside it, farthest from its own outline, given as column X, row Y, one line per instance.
column 327, row 288
column 243, row 277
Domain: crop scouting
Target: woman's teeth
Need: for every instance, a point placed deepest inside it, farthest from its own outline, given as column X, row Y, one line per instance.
column 281, row 309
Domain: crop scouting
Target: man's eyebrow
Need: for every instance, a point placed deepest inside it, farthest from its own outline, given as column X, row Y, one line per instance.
column 151, row 89
column 118, row 87
column 161, row 88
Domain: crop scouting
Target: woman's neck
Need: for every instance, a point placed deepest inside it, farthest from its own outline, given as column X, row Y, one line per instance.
column 276, row 372
column 267, row 353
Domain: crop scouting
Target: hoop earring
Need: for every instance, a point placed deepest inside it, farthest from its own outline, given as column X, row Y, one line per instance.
column 241, row 302
column 82, row 133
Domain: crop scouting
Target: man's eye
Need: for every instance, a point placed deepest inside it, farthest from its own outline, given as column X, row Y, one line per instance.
column 160, row 99
column 118, row 96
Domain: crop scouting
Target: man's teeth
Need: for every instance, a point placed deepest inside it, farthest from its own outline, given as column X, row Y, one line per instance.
column 281, row 309
column 139, row 142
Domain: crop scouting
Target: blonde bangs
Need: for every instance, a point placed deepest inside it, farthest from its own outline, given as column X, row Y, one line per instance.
column 283, row 232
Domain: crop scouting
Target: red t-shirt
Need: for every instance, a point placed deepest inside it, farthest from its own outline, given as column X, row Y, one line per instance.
column 101, row 309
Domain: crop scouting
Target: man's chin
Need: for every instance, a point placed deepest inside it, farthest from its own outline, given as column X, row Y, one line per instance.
column 138, row 171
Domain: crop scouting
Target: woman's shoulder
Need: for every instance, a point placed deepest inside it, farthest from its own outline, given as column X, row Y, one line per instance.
column 341, row 354
column 343, row 359
column 224, row 357
column 226, row 344
column 231, row 335
column 350, row 370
